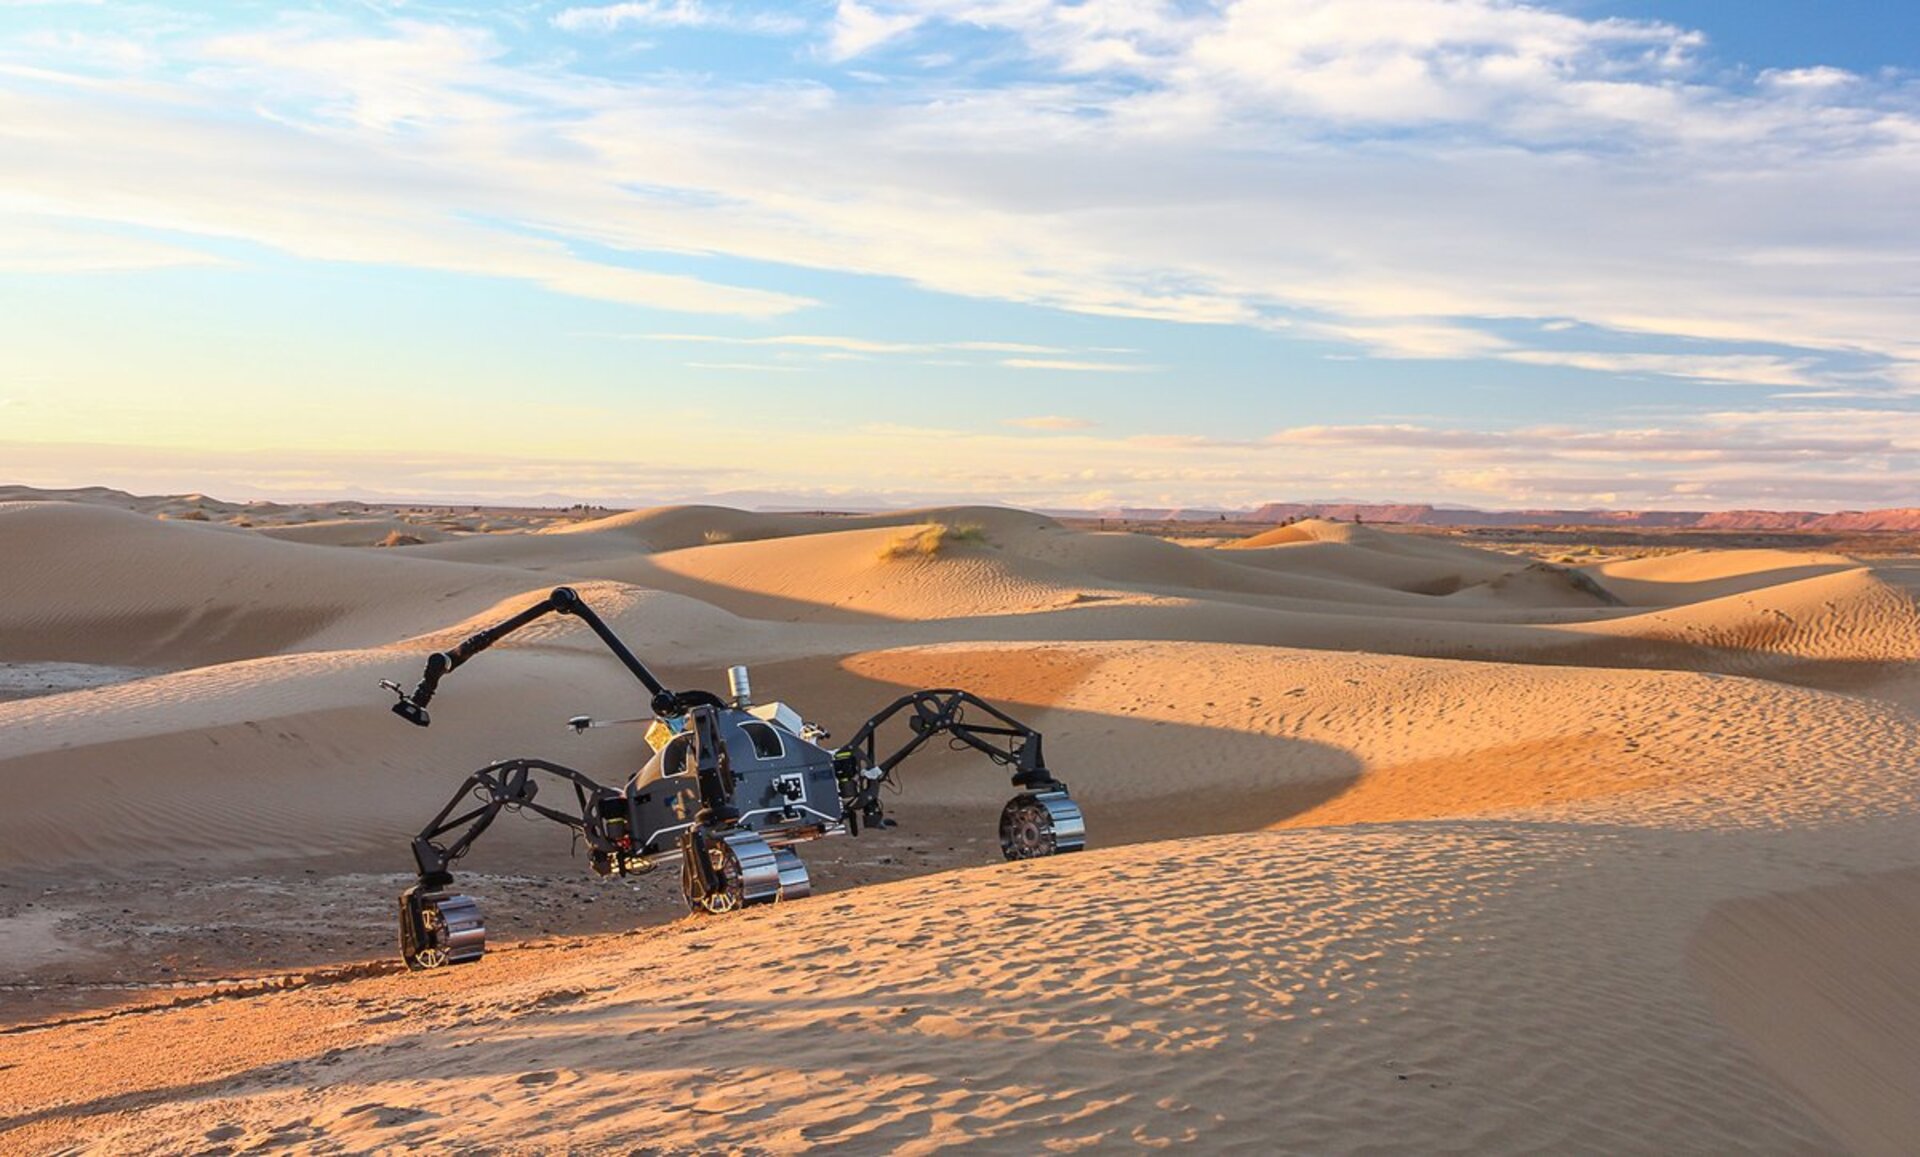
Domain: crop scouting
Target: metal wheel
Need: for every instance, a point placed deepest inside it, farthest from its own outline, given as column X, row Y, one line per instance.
column 438, row 929
column 794, row 883
column 1035, row 824
column 749, row 873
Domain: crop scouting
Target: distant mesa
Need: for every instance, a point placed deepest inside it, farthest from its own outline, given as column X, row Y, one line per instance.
column 200, row 507
column 1410, row 514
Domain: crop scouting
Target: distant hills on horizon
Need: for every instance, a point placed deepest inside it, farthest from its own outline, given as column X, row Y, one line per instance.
column 1416, row 514
column 1905, row 519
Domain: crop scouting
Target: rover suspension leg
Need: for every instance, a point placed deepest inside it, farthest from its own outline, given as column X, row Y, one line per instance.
column 1042, row 820
column 439, row 926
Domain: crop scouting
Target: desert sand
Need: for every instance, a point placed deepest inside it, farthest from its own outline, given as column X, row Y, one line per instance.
column 1396, row 845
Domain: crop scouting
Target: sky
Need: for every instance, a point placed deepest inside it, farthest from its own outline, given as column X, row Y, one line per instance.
column 1201, row 253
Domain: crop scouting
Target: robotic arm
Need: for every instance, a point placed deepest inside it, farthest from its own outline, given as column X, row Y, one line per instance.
column 412, row 707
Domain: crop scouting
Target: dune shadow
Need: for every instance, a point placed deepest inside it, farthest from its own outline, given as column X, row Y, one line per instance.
column 1654, row 594
column 166, row 639
column 1820, row 984
column 643, row 570
column 1139, row 779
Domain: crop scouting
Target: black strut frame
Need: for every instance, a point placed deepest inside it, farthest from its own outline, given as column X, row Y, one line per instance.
column 937, row 711
column 508, row 784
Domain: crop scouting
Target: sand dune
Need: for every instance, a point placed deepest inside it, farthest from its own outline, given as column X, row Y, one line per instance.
column 355, row 532
column 1818, row 984
column 1384, row 738
column 1491, row 989
column 1338, row 562
column 92, row 584
column 1836, row 627
column 1540, row 585
column 1361, row 555
column 674, row 527
column 849, row 575
column 1278, row 536
column 1008, row 566
column 1398, row 843
column 1153, row 564
column 1378, row 542
column 1699, row 575
column 666, row 528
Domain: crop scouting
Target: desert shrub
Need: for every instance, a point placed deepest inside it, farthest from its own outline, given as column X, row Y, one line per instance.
column 192, row 516
column 929, row 540
column 400, row 538
column 716, row 537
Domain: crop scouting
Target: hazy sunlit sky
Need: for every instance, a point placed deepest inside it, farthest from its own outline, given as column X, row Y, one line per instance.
column 1593, row 252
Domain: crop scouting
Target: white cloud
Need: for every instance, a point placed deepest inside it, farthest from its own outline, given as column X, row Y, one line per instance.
column 1906, row 375
column 1397, row 170
column 808, row 341
column 1734, row 458
column 1551, row 195
column 858, row 29
column 550, row 266
column 342, row 191
column 1414, row 339
column 418, row 74
column 860, row 345
column 1049, row 422
column 674, row 14
column 1734, row 369
column 83, row 50
column 1819, row 77
column 1015, row 347
column 1717, row 438
column 1075, row 366
column 38, row 244
column 1383, row 60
